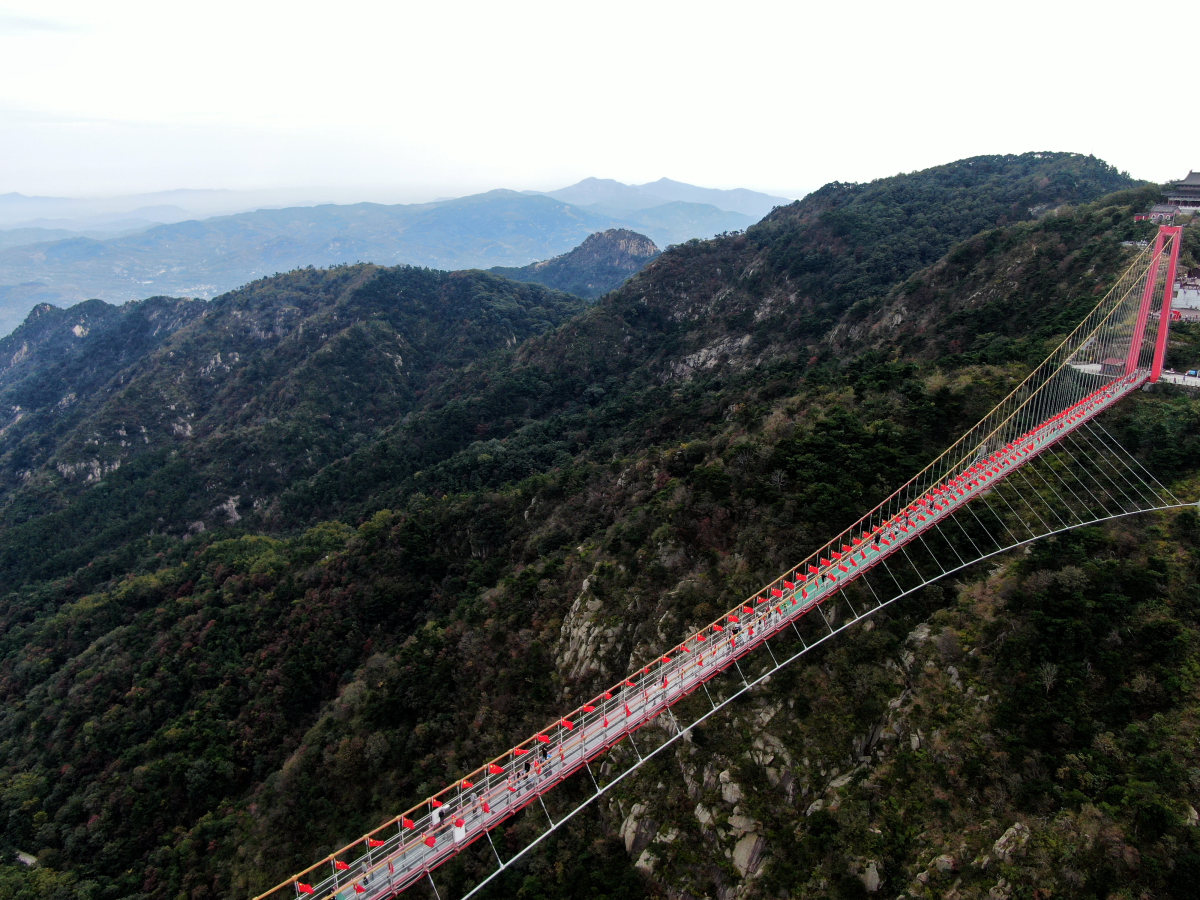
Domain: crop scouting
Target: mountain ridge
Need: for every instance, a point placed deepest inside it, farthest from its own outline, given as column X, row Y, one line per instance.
column 610, row 195
column 205, row 257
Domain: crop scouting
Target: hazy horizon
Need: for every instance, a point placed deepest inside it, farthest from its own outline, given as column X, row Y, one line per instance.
column 404, row 104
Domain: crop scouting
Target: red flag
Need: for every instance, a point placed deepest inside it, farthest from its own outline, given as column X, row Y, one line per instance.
column 543, row 738
column 341, row 866
column 804, row 593
column 666, row 659
column 791, row 586
column 627, row 712
column 701, row 638
column 567, row 724
column 606, row 721
column 517, row 751
column 762, row 599
column 304, row 888
column 436, row 803
column 608, row 695
column 628, row 683
column 589, row 708
column 734, row 619
column 372, row 842
column 747, row 609
column 430, row 840
column 359, row 889
column 845, row 548
column 824, row 561
column 776, row 592
column 843, row 568
column 684, row 648
column 467, row 784
column 408, row 823
column 487, row 807
column 751, row 631
column 718, row 628
column 835, row 555
column 459, row 822
column 493, row 769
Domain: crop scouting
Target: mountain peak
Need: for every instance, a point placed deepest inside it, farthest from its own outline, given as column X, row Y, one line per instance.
column 600, row 264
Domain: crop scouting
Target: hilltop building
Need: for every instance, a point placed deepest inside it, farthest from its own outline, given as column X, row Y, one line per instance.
column 1186, row 193
column 1187, row 291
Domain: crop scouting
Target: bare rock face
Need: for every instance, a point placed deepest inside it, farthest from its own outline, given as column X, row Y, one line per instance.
column 637, row 831
column 945, row 863
column 1012, row 842
column 585, row 637
column 747, row 854
column 731, row 791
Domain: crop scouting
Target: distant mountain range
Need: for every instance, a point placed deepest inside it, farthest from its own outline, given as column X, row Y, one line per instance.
column 606, row 194
column 121, row 213
column 205, row 257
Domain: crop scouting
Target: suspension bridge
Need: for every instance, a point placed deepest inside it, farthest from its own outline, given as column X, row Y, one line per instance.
column 1038, row 464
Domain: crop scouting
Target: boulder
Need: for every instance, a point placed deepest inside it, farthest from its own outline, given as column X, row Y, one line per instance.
column 1012, row 842
column 747, row 854
column 870, row 877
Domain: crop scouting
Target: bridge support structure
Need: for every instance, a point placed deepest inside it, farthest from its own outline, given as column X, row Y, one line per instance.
column 1166, row 243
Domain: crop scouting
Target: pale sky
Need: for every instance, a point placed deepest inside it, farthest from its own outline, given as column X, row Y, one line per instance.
column 410, row 101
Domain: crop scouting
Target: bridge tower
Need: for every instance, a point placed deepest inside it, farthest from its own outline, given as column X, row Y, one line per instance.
column 1166, row 243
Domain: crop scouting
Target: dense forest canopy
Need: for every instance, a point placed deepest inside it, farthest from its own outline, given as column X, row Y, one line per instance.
column 286, row 562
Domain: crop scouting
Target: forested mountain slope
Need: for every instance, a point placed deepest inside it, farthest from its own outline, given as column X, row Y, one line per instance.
column 206, row 715
column 196, row 424
column 722, row 308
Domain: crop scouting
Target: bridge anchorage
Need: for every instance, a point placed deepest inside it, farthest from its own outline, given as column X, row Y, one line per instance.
column 1038, row 464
